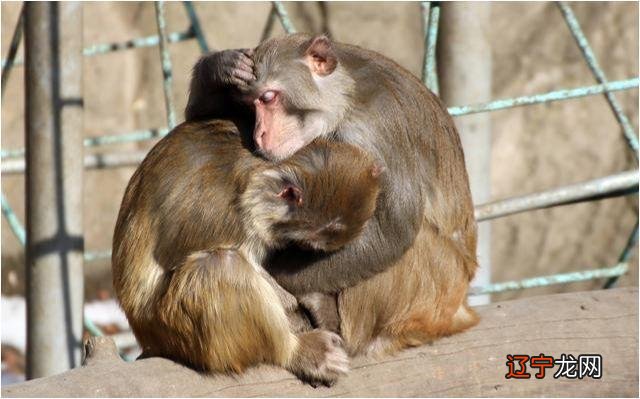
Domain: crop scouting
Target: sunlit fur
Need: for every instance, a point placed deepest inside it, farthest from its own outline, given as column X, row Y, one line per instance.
column 197, row 219
column 403, row 281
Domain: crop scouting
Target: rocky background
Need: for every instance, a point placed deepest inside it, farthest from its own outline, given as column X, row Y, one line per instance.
column 534, row 148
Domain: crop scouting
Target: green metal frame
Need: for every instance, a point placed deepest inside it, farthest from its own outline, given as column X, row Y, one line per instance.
column 430, row 14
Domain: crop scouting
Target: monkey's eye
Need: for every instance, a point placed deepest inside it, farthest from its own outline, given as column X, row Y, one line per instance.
column 268, row 96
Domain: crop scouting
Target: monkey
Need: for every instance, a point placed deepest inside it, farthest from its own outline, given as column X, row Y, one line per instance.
column 197, row 219
column 404, row 280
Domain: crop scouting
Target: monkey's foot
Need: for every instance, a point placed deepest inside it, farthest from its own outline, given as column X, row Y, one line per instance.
column 320, row 358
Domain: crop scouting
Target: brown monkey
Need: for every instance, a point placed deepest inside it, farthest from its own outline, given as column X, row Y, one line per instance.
column 405, row 279
column 197, row 219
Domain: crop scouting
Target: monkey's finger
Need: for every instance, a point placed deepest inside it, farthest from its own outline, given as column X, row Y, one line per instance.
column 244, row 75
column 244, row 67
column 314, row 383
column 329, row 383
column 337, row 340
column 243, row 59
column 239, row 83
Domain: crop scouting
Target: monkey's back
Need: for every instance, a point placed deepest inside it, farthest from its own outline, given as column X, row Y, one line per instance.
column 181, row 199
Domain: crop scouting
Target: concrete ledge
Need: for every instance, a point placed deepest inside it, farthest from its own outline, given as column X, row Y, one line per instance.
column 469, row 364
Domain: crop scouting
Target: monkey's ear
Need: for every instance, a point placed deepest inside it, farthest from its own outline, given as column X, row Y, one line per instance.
column 321, row 57
column 292, row 194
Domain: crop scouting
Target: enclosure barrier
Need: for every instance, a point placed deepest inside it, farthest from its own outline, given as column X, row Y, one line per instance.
column 614, row 185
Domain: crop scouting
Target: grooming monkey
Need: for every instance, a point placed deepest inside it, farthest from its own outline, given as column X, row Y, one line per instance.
column 197, row 220
column 404, row 280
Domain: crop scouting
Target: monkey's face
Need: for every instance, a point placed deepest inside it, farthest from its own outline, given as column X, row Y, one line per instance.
column 298, row 94
column 321, row 198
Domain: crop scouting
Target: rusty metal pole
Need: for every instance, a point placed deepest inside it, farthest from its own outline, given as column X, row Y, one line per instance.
column 464, row 69
column 54, row 172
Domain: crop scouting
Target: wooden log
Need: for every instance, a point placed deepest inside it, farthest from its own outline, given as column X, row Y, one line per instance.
column 468, row 364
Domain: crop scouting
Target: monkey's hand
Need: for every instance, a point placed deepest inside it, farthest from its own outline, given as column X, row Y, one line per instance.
column 231, row 68
column 320, row 358
column 215, row 78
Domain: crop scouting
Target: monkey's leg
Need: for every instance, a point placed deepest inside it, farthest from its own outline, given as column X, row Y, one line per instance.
column 420, row 298
column 323, row 309
column 297, row 319
column 221, row 315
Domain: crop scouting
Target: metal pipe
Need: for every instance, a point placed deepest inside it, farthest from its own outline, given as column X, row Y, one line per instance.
column 268, row 27
column 625, row 255
column 424, row 10
column 55, row 243
column 13, row 50
column 131, row 137
column 14, row 223
column 196, row 28
column 543, row 281
column 431, row 24
column 140, row 42
column 614, row 185
column 91, row 161
column 565, row 94
column 545, row 97
column 284, row 17
column 598, row 73
column 463, row 37
column 167, row 74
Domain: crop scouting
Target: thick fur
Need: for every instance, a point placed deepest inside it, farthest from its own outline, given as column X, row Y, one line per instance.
column 197, row 219
column 404, row 280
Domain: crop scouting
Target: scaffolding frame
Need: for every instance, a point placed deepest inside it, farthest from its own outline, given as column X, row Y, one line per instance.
column 625, row 183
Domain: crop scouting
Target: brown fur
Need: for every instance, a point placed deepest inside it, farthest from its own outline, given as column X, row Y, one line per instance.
column 404, row 281
column 196, row 221
column 420, row 298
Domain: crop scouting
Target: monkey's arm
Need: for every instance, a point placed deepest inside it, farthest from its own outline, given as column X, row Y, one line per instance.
column 385, row 238
column 217, row 81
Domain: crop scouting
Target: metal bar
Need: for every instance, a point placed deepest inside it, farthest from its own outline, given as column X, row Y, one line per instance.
column 92, row 328
column 598, row 73
column 625, row 255
column 91, row 161
column 268, row 27
column 462, row 38
column 131, row 137
column 284, row 17
column 141, row 42
column 544, row 281
column 97, row 255
column 614, row 184
column 14, row 223
column 432, row 39
column 424, row 10
column 196, row 28
column 135, row 136
column 557, row 95
column 13, row 50
column 167, row 74
column 54, row 126
column 15, row 153
column 618, row 184
column 124, row 340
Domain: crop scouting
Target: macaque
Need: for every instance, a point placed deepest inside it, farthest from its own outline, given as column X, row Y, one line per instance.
column 404, row 280
column 198, row 218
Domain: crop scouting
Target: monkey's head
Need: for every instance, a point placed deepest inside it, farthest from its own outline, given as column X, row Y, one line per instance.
column 301, row 92
column 320, row 198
